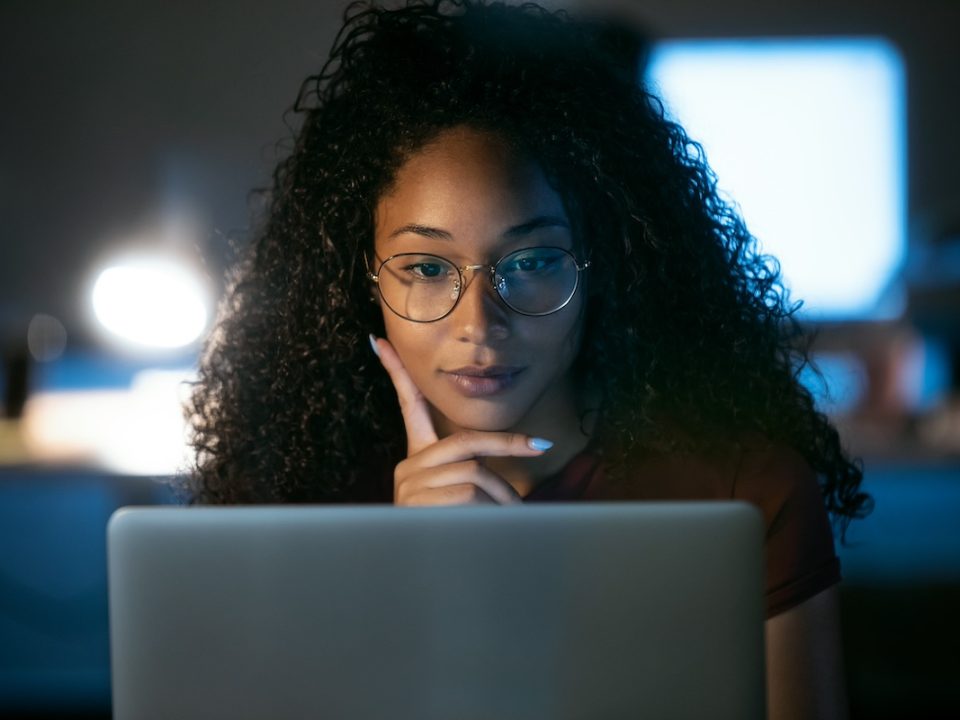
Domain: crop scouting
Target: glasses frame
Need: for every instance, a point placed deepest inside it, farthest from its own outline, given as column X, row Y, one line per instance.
column 461, row 269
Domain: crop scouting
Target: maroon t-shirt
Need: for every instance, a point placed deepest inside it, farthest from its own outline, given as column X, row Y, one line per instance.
column 800, row 556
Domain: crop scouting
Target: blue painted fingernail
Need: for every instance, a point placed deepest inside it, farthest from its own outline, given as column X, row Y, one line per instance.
column 539, row 444
column 373, row 345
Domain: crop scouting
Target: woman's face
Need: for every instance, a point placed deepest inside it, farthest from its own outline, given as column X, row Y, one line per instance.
column 468, row 198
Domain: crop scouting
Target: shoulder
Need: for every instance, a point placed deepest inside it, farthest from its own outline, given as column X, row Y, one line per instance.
column 777, row 479
column 801, row 560
column 773, row 476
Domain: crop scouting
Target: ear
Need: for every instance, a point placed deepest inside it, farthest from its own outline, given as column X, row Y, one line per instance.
column 591, row 284
column 372, row 284
column 375, row 297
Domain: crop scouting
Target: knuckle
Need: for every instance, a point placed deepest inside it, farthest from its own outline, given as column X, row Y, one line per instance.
column 469, row 493
column 409, row 500
column 465, row 437
column 405, row 485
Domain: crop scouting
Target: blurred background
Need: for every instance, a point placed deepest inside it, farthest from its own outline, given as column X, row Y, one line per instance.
column 132, row 137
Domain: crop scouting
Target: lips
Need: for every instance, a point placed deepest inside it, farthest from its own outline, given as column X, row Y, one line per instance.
column 483, row 381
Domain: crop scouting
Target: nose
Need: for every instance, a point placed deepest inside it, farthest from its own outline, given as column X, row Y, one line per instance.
column 480, row 317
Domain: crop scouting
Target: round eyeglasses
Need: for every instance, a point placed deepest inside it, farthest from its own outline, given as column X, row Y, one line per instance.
column 425, row 288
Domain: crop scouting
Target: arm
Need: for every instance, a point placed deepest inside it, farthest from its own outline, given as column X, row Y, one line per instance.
column 805, row 677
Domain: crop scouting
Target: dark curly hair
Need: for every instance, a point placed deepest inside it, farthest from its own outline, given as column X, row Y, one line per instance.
column 690, row 341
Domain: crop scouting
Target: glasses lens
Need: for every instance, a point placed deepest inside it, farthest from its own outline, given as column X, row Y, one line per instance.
column 419, row 287
column 537, row 281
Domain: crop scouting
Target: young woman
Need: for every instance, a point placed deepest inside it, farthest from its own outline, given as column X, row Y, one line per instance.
column 552, row 289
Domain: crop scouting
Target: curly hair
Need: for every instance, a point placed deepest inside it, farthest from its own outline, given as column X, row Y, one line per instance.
column 691, row 340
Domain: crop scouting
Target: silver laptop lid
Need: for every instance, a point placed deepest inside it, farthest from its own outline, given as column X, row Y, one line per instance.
column 586, row 610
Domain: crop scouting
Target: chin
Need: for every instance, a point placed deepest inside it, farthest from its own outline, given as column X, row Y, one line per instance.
column 483, row 416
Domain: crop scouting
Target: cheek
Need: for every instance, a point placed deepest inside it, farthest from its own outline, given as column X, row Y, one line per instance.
column 561, row 333
column 397, row 334
column 412, row 341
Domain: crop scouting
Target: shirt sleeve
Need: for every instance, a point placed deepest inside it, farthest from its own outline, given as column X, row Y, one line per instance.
column 800, row 556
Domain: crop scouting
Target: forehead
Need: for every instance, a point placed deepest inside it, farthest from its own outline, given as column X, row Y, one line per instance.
column 468, row 183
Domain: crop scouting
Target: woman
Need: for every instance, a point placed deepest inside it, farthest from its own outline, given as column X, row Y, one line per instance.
column 558, row 298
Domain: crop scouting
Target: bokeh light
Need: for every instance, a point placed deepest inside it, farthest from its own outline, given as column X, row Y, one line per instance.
column 808, row 137
column 46, row 338
column 151, row 303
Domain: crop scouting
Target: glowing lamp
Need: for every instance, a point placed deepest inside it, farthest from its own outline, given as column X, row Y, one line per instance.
column 152, row 304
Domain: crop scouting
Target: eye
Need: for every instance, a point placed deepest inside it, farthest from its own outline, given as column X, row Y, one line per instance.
column 531, row 263
column 424, row 270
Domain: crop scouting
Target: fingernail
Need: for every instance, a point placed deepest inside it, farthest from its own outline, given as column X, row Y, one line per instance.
column 539, row 444
column 373, row 345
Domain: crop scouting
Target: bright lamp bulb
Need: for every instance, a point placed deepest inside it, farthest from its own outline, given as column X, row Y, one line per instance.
column 151, row 304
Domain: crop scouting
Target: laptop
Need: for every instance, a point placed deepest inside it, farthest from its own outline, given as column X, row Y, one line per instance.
column 549, row 612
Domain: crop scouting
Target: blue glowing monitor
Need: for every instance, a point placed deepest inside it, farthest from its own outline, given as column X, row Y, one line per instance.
column 807, row 137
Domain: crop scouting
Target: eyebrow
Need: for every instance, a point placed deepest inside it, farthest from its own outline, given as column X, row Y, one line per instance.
column 541, row 221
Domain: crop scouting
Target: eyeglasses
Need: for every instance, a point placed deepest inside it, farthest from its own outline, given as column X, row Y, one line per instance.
column 532, row 281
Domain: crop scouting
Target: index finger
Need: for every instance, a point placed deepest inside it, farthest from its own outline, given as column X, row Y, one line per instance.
column 413, row 405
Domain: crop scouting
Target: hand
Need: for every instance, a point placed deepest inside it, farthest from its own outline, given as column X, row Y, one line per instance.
column 448, row 471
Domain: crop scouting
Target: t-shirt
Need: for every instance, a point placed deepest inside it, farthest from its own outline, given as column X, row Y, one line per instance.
column 800, row 557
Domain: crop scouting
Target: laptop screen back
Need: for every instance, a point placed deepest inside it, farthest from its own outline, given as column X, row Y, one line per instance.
column 587, row 610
